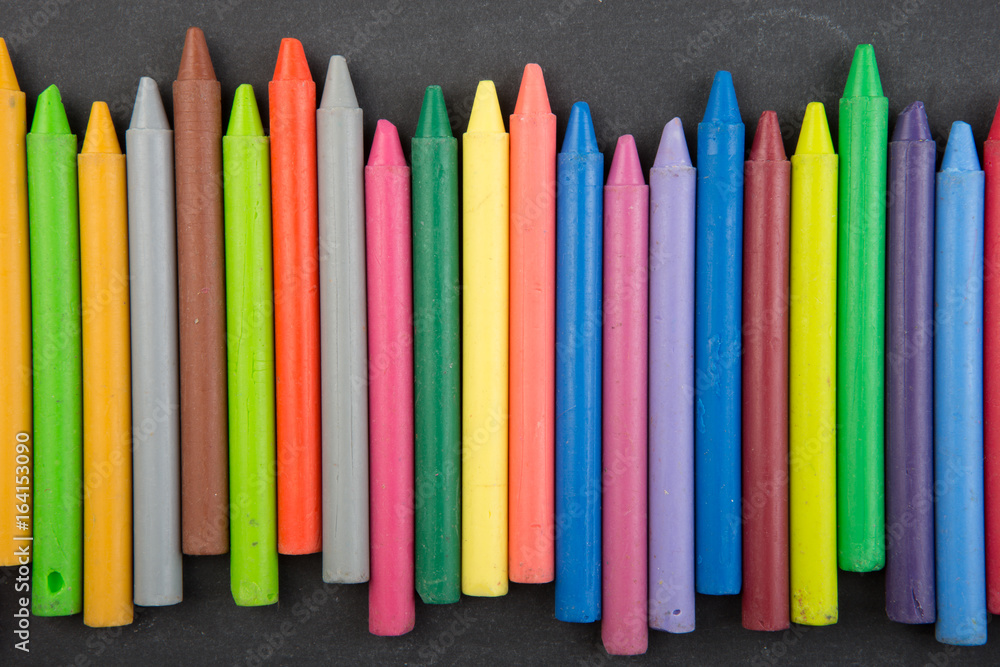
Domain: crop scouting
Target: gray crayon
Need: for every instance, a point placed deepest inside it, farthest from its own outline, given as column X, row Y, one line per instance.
column 153, row 311
column 343, row 328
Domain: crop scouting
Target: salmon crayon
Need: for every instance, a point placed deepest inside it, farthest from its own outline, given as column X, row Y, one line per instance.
column 391, row 600
column 626, row 314
column 532, row 332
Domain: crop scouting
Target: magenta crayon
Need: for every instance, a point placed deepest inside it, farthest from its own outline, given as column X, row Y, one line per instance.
column 626, row 312
column 391, row 599
column 672, row 182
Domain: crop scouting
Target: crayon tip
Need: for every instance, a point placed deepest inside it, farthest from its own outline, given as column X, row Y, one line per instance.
column 580, row 136
column 814, row 138
column 338, row 91
column 722, row 107
column 386, row 149
column 912, row 125
column 960, row 152
column 485, row 116
column 8, row 80
column 245, row 118
column 196, row 64
column 995, row 127
column 292, row 64
column 148, row 113
column 767, row 143
column 625, row 166
column 100, row 136
column 433, row 120
column 50, row 114
column 673, row 150
column 863, row 79
column 532, row 97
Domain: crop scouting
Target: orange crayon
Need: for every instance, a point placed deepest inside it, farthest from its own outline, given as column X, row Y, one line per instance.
column 532, row 332
column 107, row 389
column 292, row 95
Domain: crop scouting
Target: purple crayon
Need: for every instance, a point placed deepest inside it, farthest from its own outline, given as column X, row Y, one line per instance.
column 909, row 415
column 672, row 182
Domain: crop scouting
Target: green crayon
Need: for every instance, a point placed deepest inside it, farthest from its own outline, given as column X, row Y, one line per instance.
column 864, row 113
column 437, row 354
column 250, row 344
column 57, row 574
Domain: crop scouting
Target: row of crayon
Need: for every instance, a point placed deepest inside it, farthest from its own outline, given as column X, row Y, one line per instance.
column 707, row 316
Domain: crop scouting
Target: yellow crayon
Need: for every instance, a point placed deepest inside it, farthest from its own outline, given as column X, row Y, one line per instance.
column 484, row 348
column 813, row 380
column 107, row 399
column 15, row 330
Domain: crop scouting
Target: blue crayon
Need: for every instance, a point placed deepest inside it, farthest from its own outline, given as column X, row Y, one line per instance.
column 579, row 220
column 960, row 558
column 718, row 301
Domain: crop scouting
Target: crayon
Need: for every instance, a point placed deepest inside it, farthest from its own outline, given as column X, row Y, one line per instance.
column 812, row 396
column 485, row 293
column 765, row 379
column 579, row 221
column 391, row 602
column 532, row 332
column 107, row 414
column 960, row 559
column 251, row 356
column 861, row 317
column 909, row 382
column 625, row 331
column 292, row 96
column 57, row 570
column 343, row 328
column 717, row 342
column 437, row 354
column 15, row 334
column 991, row 358
column 672, row 185
column 153, row 308
column 201, row 301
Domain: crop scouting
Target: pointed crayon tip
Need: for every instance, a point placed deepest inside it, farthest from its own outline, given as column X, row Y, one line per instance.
column 912, row 125
column 50, row 114
column 767, row 143
column 338, row 91
column 960, row 152
column 814, row 138
column 292, row 64
column 673, row 150
column 485, row 115
column 532, row 97
column 100, row 136
column 148, row 113
column 625, row 166
column 245, row 121
column 580, row 136
column 386, row 149
column 863, row 79
column 722, row 105
column 995, row 127
column 433, row 120
column 196, row 64
column 8, row 80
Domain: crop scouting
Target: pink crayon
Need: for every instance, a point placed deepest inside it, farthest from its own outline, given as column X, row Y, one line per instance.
column 626, row 314
column 391, row 603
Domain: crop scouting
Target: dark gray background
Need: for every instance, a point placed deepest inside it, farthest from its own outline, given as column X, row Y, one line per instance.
column 638, row 64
